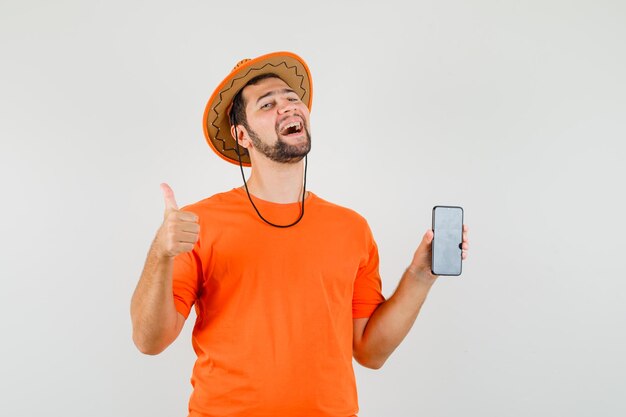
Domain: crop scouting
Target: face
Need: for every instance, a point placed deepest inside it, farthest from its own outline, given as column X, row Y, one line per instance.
column 278, row 121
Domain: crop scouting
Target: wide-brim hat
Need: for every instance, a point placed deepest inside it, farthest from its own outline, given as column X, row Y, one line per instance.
column 288, row 66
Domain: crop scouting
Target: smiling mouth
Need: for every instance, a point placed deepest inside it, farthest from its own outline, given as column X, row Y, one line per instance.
column 292, row 128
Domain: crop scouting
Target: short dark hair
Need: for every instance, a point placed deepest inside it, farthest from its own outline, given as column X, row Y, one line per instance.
column 238, row 111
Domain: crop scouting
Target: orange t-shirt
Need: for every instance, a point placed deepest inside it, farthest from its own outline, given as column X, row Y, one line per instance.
column 275, row 306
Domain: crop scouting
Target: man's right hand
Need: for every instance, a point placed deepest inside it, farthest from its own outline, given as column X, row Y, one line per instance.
column 179, row 231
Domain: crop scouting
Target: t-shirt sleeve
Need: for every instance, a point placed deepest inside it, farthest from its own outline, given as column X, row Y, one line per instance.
column 187, row 279
column 367, row 295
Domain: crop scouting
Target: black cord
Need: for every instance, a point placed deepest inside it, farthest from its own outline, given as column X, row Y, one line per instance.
column 245, row 184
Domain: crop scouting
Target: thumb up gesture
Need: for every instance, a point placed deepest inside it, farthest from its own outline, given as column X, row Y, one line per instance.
column 179, row 231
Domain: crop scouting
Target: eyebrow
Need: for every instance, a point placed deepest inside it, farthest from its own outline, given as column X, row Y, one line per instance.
column 274, row 92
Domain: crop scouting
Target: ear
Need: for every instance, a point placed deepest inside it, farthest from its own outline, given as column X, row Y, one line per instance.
column 243, row 139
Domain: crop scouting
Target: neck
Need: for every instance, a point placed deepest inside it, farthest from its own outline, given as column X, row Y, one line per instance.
column 276, row 182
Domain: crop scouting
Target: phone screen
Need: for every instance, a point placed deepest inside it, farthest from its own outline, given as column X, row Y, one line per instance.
column 448, row 237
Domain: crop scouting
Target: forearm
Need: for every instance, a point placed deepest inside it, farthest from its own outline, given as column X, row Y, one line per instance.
column 392, row 320
column 156, row 323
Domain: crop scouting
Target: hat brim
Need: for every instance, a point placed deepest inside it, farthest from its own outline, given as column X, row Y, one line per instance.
column 288, row 66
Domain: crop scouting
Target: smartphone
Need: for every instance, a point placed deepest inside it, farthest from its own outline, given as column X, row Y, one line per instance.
column 447, row 241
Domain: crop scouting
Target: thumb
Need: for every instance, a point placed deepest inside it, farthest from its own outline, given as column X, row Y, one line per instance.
column 421, row 258
column 426, row 241
column 168, row 196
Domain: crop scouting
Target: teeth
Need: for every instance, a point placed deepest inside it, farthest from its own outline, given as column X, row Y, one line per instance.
column 297, row 125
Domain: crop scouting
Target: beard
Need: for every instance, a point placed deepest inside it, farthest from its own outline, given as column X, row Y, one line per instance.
column 281, row 151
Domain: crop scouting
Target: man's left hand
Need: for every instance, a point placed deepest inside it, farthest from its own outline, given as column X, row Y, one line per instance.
column 422, row 259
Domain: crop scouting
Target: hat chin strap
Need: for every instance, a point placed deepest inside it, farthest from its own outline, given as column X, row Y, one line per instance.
column 245, row 184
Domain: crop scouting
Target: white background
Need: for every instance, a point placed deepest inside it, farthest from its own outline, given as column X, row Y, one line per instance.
column 514, row 110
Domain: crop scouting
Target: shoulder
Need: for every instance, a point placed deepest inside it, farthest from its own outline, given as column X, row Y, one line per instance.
column 225, row 197
column 226, row 201
column 341, row 213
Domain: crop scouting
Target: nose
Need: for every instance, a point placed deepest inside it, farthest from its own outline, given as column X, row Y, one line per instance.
column 286, row 106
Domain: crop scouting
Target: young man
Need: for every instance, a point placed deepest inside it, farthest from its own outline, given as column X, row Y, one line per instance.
column 285, row 284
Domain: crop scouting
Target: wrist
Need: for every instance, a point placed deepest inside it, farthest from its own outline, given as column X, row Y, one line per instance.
column 421, row 275
column 164, row 259
column 161, row 255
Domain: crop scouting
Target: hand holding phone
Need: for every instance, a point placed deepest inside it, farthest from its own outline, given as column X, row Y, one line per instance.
column 447, row 241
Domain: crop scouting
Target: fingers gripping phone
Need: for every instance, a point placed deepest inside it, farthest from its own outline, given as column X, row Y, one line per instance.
column 447, row 240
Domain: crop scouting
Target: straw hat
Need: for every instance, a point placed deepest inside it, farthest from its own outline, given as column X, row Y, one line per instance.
column 288, row 66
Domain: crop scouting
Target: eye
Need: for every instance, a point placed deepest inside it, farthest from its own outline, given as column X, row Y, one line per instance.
column 266, row 105
column 293, row 99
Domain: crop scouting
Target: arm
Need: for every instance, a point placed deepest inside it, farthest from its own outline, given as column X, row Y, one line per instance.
column 156, row 322
column 377, row 337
